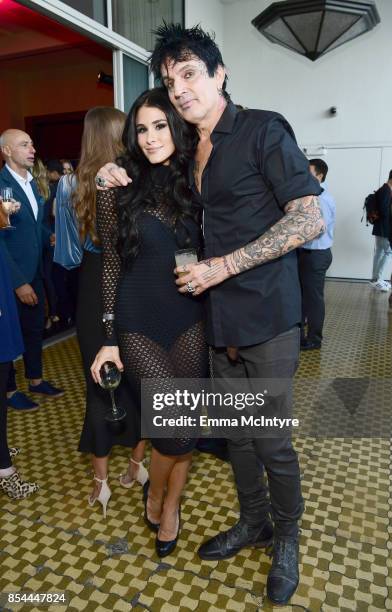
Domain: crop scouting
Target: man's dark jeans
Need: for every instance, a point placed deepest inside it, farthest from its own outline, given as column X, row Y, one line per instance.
column 276, row 358
column 32, row 323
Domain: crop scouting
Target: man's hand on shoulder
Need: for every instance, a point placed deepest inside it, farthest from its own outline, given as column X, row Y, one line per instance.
column 111, row 175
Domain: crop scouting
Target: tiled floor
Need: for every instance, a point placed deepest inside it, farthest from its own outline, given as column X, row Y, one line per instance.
column 54, row 541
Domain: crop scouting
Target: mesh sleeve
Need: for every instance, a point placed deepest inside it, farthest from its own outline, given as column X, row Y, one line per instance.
column 107, row 230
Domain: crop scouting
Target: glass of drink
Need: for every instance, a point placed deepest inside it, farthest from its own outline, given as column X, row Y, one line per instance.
column 8, row 207
column 4, row 218
column 110, row 380
column 184, row 257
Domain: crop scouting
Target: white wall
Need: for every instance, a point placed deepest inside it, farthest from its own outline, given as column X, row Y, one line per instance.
column 356, row 78
column 209, row 13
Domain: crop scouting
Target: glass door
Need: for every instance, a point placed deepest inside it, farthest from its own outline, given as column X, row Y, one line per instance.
column 131, row 79
column 135, row 80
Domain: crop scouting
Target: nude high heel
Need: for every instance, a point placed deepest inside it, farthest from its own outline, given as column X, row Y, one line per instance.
column 141, row 477
column 104, row 495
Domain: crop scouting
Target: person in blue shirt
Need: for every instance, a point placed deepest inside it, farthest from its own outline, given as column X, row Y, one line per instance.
column 11, row 346
column 314, row 259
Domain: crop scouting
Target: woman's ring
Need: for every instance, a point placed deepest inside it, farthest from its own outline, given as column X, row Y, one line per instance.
column 190, row 287
column 101, row 182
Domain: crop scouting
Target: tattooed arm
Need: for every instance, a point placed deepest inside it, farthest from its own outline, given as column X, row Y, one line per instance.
column 302, row 222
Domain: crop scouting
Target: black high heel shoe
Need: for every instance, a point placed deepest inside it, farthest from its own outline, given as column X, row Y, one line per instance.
column 153, row 526
column 165, row 548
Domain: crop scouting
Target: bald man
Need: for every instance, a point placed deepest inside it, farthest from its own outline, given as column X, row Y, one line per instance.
column 22, row 249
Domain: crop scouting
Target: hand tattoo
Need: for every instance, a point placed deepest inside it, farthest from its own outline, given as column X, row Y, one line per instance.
column 213, row 268
column 208, row 262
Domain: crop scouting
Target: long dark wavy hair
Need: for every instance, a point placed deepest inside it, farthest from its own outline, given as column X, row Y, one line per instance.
column 143, row 193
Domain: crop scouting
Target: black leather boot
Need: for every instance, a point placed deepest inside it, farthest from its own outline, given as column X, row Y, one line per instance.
column 229, row 543
column 283, row 576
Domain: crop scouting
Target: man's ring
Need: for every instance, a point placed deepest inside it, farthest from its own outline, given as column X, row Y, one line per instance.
column 101, row 182
column 190, row 287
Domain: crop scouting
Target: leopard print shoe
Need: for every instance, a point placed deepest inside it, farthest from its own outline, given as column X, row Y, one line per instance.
column 16, row 488
column 13, row 451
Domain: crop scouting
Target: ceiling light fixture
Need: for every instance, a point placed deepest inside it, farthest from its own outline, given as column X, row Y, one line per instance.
column 314, row 27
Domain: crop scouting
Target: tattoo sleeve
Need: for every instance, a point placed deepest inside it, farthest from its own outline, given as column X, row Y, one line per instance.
column 302, row 221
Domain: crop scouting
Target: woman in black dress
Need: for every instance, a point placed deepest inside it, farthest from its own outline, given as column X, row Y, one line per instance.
column 152, row 330
column 76, row 226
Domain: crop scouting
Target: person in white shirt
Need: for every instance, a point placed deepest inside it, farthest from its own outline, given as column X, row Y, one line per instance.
column 23, row 252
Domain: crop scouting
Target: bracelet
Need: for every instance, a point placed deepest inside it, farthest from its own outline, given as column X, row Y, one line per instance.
column 107, row 316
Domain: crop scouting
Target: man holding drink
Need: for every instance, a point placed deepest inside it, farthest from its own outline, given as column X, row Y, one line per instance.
column 22, row 246
column 8, row 207
column 259, row 205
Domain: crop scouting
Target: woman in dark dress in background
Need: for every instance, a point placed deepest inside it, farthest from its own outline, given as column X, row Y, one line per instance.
column 152, row 330
column 76, row 203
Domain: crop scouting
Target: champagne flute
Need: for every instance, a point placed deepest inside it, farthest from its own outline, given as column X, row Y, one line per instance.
column 4, row 219
column 110, row 380
column 8, row 207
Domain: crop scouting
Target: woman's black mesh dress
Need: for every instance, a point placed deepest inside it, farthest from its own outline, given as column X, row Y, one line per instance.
column 160, row 332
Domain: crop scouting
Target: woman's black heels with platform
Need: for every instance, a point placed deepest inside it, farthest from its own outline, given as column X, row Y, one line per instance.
column 164, row 548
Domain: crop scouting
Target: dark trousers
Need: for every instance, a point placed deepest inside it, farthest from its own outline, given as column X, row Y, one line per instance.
column 5, row 460
column 274, row 359
column 50, row 290
column 313, row 266
column 66, row 287
column 32, row 323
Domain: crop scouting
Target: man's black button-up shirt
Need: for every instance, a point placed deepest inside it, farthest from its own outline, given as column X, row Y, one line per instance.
column 254, row 169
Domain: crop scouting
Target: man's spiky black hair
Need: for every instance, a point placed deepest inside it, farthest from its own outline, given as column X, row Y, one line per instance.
column 176, row 43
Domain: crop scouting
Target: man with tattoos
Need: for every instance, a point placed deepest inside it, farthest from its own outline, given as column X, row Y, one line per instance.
column 259, row 205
